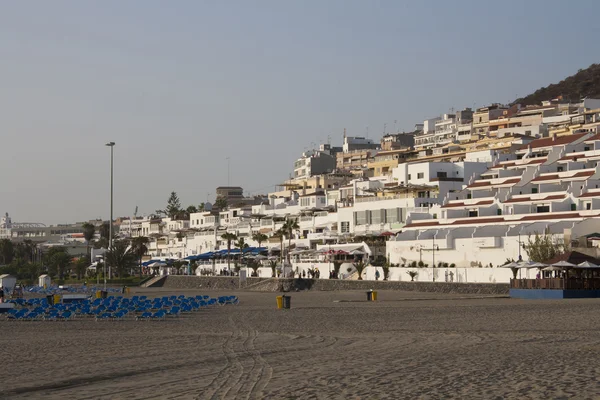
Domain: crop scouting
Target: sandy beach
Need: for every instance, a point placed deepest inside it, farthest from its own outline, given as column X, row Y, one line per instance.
column 330, row 345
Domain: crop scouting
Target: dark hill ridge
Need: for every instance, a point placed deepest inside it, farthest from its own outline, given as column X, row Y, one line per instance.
column 585, row 83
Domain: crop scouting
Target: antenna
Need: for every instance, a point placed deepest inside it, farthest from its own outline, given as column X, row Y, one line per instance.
column 384, row 127
column 135, row 212
column 395, row 122
column 344, row 133
column 328, row 139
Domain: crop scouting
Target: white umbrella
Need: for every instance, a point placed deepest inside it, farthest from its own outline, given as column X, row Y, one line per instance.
column 563, row 264
column 553, row 268
column 509, row 265
column 587, row 264
column 530, row 264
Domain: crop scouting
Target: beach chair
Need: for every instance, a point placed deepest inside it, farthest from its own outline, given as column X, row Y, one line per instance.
column 174, row 311
column 145, row 316
column 160, row 314
column 65, row 315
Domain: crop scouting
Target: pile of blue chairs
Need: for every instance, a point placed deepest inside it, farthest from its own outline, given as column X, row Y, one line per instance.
column 114, row 308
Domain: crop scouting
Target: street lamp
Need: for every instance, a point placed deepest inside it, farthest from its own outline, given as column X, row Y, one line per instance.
column 110, row 226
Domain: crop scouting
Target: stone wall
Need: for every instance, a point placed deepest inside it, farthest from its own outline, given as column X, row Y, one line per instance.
column 208, row 282
column 275, row 285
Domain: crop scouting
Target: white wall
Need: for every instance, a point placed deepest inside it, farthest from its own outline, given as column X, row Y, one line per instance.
column 464, row 252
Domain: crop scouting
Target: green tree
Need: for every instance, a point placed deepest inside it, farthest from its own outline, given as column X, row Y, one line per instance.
column 273, row 266
column 289, row 227
column 7, row 251
column 386, row 269
column 173, row 208
column 191, row 210
column 259, row 237
column 229, row 237
column 201, row 207
column 254, row 266
column 80, row 266
column 241, row 244
column 360, row 267
column 544, row 248
column 336, row 268
column 57, row 259
column 140, row 248
column 279, row 234
column 221, row 203
column 89, row 230
column 121, row 257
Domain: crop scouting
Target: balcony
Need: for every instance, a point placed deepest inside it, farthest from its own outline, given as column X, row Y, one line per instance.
column 554, row 177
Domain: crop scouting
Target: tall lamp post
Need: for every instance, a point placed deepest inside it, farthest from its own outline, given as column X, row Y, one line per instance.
column 110, row 226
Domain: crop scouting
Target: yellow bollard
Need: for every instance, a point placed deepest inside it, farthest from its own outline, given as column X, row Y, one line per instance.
column 374, row 295
column 57, row 299
column 98, row 294
column 279, row 302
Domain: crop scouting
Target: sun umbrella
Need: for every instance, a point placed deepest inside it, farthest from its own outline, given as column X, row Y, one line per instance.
column 509, row 265
column 563, row 264
column 553, row 268
column 587, row 264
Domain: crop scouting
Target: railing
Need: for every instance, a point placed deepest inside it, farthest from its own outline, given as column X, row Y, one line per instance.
column 557, row 283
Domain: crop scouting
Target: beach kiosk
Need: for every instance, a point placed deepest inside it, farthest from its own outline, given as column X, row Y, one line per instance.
column 8, row 283
column 44, row 281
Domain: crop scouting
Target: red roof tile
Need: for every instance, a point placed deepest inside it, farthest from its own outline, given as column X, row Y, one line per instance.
column 548, row 142
column 591, row 194
column 428, row 223
column 488, row 183
column 477, row 221
column 462, row 204
column 523, row 199
column 593, row 138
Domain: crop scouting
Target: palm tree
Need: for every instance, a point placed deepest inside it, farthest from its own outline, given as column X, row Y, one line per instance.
column 230, row 237
column 289, row 227
column 360, row 267
column 273, row 265
column 280, row 234
column 89, row 230
column 259, row 237
column 121, row 257
column 140, row 247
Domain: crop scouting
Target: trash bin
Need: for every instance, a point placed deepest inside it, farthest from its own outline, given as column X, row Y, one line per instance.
column 57, row 299
column 287, row 302
column 370, row 295
column 98, row 294
column 50, row 299
column 374, row 295
column 280, row 302
column 104, row 294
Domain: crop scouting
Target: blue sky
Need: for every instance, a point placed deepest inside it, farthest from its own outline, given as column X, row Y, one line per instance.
column 180, row 86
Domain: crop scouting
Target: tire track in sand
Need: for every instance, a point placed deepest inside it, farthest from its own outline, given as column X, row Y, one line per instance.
column 265, row 371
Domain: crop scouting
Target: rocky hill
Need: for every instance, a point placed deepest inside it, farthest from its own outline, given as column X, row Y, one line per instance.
column 585, row 83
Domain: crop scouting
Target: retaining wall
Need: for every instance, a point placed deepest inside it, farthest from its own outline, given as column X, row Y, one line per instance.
column 274, row 285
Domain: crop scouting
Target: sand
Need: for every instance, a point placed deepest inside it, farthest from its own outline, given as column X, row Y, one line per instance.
column 408, row 345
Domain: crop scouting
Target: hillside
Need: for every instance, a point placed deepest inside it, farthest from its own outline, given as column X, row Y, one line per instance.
column 585, row 83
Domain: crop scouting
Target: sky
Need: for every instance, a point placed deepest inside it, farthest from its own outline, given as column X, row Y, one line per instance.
column 182, row 86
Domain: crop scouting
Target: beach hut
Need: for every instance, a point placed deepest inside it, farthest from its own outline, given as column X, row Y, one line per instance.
column 8, row 283
column 44, row 281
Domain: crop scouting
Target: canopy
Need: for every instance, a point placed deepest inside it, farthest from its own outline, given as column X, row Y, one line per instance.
column 510, row 265
column 563, row 264
column 587, row 264
column 553, row 268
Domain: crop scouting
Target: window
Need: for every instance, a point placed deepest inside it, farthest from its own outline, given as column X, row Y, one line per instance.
column 559, row 169
column 473, row 213
column 534, row 190
column 543, row 209
column 409, row 177
column 586, row 148
column 420, row 175
column 345, row 226
column 442, row 174
column 588, row 206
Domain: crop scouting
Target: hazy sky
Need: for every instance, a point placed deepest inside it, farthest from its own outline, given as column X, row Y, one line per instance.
column 181, row 85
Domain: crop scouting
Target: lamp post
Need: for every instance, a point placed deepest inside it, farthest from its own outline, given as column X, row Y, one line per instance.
column 110, row 226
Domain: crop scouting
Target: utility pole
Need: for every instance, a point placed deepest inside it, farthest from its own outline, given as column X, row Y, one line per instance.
column 227, row 171
column 110, row 226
